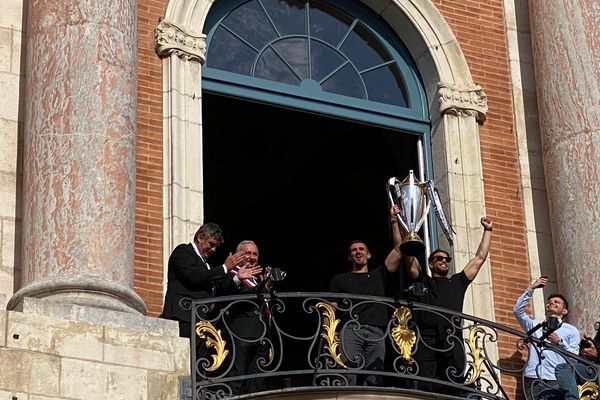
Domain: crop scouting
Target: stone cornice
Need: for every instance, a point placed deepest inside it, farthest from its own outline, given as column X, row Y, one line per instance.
column 464, row 101
column 172, row 39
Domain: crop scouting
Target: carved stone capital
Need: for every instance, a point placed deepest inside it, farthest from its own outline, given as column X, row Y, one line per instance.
column 463, row 101
column 171, row 39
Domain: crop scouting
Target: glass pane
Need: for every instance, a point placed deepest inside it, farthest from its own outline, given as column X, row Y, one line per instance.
column 295, row 52
column 385, row 85
column 346, row 82
column 328, row 23
column 250, row 22
column 271, row 67
column 288, row 16
column 363, row 49
column 324, row 59
column 228, row 53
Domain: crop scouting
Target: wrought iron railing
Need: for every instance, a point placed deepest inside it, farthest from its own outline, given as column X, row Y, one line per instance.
column 298, row 342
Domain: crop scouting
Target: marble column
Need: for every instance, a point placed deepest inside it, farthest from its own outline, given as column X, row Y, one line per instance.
column 567, row 70
column 79, row 154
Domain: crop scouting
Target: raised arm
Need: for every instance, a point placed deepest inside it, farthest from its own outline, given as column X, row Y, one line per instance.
column 519, row 312
column 474, row 265
column 412, row 264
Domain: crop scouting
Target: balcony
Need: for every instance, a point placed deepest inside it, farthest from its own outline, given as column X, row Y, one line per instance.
column 300, row 340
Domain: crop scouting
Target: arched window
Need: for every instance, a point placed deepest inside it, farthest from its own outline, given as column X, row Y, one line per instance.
column 330, row 57
column 334, row 58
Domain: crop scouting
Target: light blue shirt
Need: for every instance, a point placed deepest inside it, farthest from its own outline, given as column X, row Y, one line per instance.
column 569, row 335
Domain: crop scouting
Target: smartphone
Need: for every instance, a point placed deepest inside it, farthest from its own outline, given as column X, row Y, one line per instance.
column 545, row 277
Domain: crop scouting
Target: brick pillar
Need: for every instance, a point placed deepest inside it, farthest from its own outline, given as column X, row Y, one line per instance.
column 79, row 154
column 567, row 67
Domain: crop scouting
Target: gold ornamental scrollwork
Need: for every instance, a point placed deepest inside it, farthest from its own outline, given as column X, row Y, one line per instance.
column 330, row 323
column 213, row 340
column 589, row 391
column 404, row 337
column 476, row 353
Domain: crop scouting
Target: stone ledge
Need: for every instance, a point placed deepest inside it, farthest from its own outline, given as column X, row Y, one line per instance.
column 73, row 312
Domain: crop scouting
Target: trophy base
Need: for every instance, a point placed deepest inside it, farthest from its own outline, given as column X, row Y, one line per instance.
column 412, row 247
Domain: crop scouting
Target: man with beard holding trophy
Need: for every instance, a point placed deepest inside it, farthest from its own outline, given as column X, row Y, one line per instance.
column 364, row 325
column 440, row 354
column 445, row 291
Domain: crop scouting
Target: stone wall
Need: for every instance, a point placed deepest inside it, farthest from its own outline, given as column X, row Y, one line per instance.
column 52, row 351
column 11, row 127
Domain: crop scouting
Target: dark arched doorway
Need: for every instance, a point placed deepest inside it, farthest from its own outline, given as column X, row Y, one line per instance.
column 301, row 185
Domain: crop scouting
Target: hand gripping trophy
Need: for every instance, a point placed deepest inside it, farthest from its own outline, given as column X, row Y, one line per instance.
column 414, row 199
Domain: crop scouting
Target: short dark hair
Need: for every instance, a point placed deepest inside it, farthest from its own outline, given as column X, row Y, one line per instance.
column 559, row 296
column 210, row 230
column 357, row 241
column 430, row 258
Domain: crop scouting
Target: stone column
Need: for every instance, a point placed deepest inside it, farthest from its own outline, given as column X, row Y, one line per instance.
column 182, row 53
column 79, row 154
column 567, row 70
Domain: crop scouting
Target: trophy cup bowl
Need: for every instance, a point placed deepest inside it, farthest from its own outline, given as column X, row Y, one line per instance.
column 410, row 196
column 412, row 245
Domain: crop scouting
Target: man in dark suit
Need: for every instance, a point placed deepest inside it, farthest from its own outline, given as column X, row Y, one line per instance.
column 190, row 277
column 249, row 323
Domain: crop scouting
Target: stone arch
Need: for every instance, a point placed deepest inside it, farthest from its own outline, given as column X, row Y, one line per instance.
column 456, row 104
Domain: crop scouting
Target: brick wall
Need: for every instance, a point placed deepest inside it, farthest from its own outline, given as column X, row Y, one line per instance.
column 148, row 219
column 480, row 30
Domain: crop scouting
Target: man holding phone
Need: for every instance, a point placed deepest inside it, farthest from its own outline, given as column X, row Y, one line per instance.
column 539, row 371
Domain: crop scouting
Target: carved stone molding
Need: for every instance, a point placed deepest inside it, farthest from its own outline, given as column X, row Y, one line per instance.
column 463, row 101
column 171, row 39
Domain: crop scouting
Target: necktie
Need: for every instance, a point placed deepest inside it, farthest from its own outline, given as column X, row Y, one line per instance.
column 252, row 283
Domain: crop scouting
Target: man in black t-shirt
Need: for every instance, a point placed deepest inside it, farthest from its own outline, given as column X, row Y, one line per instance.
column 364, row 326
column 441, row 355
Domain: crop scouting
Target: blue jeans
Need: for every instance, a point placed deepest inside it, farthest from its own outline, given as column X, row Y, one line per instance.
column 363, row 348
column 566, row 375
column 538, row 390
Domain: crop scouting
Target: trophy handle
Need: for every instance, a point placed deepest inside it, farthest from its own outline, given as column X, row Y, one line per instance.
column 392, row 186
column 425, row 212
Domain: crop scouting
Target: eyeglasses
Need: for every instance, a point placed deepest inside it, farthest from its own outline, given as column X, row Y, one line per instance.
column 441, row 258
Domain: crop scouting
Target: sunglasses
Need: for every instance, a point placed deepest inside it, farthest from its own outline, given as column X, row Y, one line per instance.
column 441, row 258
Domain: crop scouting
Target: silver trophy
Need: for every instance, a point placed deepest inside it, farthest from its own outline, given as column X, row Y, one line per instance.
column 410, row 196
column 414, row 199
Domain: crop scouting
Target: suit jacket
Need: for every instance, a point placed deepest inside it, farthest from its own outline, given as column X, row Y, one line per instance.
column 188, row 278
column 245, row 319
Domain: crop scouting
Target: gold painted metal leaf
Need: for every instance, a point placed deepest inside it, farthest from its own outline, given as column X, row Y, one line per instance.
column 213, row 340
column 476, row 353
column 330, row 324
column 404, row 337
column 589, row 391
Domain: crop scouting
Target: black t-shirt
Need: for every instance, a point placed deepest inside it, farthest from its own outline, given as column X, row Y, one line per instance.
column 370, row 283
column 441, row 292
